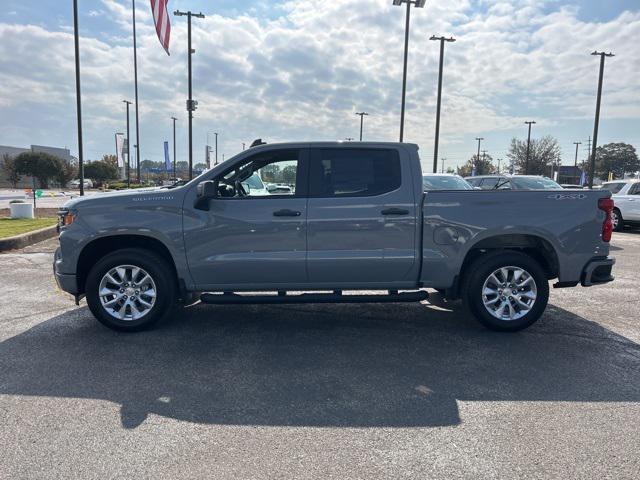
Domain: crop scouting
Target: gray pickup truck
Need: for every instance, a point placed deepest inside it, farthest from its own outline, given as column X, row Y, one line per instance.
column 356, row 219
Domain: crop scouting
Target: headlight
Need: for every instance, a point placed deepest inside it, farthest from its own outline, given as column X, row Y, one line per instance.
column 65, row 218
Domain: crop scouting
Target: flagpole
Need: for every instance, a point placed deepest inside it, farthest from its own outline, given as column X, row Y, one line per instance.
column 135, row 74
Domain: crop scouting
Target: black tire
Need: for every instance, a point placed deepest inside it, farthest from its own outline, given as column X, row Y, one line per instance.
column 481, row 270
column 619, row 225
column 155, row 266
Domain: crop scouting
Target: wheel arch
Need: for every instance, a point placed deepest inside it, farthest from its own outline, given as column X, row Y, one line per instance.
column 534, row 246
column 99, row 247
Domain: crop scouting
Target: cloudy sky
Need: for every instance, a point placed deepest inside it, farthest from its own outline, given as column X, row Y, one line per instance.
column 299, row 70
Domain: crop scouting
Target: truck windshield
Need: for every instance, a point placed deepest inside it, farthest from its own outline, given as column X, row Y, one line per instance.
column 442, row 182
column 534, row 183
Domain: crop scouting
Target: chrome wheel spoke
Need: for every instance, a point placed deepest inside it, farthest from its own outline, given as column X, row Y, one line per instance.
column 104, row 291
column 144, row 303
column 520, row 303
column 491, row 301
column 111, row 303
column 149, row 293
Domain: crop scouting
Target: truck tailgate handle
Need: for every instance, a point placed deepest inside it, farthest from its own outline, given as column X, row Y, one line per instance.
column 286, row 213
column 395, row 211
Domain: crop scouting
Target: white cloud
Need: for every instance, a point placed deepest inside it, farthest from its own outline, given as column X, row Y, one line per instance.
column 303, row 75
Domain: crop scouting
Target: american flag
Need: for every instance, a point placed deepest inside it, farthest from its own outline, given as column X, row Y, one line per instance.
column 161, row 19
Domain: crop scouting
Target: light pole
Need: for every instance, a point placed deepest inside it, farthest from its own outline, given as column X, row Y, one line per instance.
column 418, row 4
column 78, row 100
column 442, row 167
column 479, row 139
column 135, row 82
column 243, row 146
column 592, row 166
column 435, row 148
column 175, row 163
column 208, row 159
column 499, row 162
column 128, row 146
column 362, row 115
column 526, row 162
column 575, row 162
column 216, row 134
column 191, row 104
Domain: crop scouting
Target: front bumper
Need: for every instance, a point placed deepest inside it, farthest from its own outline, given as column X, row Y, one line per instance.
column 597, row 271
column 66, row 281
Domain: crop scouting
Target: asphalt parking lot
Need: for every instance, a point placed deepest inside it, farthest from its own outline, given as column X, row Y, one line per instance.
column 319, row 391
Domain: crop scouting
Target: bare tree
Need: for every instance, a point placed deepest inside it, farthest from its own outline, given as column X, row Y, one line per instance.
column 543, row 154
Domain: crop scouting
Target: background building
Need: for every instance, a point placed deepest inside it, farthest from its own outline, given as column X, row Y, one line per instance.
column 25, row 181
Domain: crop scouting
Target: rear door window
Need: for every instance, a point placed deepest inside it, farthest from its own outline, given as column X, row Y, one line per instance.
column 349, row 172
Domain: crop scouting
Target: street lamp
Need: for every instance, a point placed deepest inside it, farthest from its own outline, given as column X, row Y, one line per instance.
column 418, row 4
column 128, row 143
column 175, row 173
column 479, row 139
column 435, row 150
column 594, row 146
column 526, row 162
column 191, row 103
column 362, row 115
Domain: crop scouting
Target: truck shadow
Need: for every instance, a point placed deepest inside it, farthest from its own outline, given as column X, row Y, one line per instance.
column 319, row 365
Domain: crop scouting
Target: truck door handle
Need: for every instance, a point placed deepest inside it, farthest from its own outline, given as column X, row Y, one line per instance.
column 395, row 211
column 286, row 213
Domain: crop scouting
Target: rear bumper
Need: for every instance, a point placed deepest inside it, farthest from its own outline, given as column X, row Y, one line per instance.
column 597, row 271
column 66, row 281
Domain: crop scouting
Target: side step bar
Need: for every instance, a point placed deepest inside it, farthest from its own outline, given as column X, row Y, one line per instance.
column 336, row 297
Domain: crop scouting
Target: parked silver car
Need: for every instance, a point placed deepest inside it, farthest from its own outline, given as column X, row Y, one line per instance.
column 444, row 181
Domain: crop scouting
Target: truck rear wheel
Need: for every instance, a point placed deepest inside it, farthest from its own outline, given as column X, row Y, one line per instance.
column 506, row 291
column 130, row 289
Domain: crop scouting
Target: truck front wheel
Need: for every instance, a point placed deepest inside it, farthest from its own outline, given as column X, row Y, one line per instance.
column 506, row 291
column 130, row 289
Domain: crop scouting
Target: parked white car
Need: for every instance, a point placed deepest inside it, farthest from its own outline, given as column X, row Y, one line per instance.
column 626, row 203
column 88, row 183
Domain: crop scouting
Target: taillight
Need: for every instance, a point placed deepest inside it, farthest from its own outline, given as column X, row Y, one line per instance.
column 606, row 204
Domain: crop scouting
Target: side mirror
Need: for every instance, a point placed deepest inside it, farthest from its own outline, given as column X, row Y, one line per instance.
column 205, row 191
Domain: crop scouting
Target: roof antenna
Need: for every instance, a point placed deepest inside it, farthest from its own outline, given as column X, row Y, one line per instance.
column 257, row 142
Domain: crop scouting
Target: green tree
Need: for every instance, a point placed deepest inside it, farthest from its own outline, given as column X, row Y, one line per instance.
column 182, row 167
column 618, row 158
column 484, row 166
column 43, row 166
column 289, row 174
column 270, row 173
column 543, row 154
column 199, row 166
column 67, row 172
column 100, row 171
column 10, row 170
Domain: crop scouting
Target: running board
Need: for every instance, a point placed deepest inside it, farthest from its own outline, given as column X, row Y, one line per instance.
column 336, row 297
